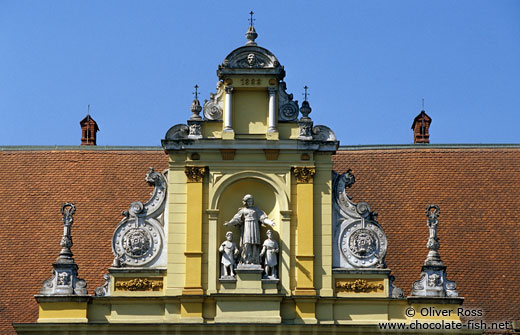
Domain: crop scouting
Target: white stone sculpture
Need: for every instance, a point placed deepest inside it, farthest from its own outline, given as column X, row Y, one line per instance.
column 229, row 251
column 249, row 219
column 270, row 253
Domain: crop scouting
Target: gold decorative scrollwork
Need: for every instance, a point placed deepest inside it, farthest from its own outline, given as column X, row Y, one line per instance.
column 304, row 175
column 139, row 284
column 358, row 285
column 195, row 174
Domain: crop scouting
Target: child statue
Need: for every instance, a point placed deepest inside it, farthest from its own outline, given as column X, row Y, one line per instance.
column 229, row 251
column 270, row 254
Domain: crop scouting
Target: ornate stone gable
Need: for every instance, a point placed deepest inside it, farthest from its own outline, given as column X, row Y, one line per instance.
column 359, row 241
column 138, row 240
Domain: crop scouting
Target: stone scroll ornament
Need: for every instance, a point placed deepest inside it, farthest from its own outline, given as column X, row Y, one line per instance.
column 139, row 238
column 288, row 109
column 359, row 241
column 214, row 106
column 64, row 280
column 434, row 281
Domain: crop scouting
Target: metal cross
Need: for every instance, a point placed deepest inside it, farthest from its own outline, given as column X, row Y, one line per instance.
column 306, row 94
column 196, row 91
column 251, row 19
column 422, row 103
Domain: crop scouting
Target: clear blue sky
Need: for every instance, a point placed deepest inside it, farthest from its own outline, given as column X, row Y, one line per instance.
column 367, row 63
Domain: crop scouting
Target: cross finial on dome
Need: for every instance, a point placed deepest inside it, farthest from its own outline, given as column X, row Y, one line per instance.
column 251, row 20
column 196, row 93
column 251, row 34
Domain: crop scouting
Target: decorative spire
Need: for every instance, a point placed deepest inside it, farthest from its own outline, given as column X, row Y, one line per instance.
column 433, row 258
column 251, row 34
column 434, row 281
column 67, row 210
column 196, row 108
column 64, row 280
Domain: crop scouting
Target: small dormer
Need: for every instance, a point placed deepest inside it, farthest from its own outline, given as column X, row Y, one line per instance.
column 420, row 127
column 89, row 129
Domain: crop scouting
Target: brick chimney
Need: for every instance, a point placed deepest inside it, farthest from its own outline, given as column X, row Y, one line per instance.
column 420, row 127
column 89, row 128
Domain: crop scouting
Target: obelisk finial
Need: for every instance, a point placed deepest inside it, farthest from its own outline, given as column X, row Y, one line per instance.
column 64, row 280
column 434, row 281
column 67, row 211
column 433, row 258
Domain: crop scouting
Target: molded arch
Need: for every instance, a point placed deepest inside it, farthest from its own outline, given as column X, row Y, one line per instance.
column 278, row 187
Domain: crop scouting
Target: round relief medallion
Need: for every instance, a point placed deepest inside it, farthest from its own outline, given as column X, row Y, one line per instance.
column 362, row 245
column 136, row 242
column 137, row 246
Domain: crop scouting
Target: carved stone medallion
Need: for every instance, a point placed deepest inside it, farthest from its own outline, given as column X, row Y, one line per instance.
column 363, row 244
column 136, row 242
column 137, row 246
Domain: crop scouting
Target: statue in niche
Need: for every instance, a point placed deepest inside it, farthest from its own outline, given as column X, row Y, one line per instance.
column 270, row 254
column 249, row 219
column 229, row 251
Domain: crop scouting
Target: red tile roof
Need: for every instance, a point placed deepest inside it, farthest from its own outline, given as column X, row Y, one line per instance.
column 34, row 185
column 477, row 189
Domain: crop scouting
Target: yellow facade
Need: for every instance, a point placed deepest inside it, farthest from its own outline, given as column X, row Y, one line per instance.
column 290, row 178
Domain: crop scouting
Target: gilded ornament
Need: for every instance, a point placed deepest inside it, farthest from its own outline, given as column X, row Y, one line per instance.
column 359, row 285
column 139, row 284
column 195, row 174
column 304, row 175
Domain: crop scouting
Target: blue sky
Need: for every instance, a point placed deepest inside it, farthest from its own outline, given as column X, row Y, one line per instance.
column 367, row 63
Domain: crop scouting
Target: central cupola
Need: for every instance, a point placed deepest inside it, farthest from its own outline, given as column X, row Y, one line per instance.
column 251, row 76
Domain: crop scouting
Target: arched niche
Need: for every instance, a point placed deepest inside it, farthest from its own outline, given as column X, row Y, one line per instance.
column 271, row 192
column 230, row 201
column 279, row 189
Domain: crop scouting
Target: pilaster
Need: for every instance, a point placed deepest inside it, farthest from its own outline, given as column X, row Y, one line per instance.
column 305, row 231
column 213, row 263
column 193, row 252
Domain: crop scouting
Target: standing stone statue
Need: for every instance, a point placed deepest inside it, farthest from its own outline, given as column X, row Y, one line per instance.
column 249, row 219
column 270, row 254
column 229, row 251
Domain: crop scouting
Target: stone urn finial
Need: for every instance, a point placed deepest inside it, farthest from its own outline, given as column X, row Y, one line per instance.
column 196, row 108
